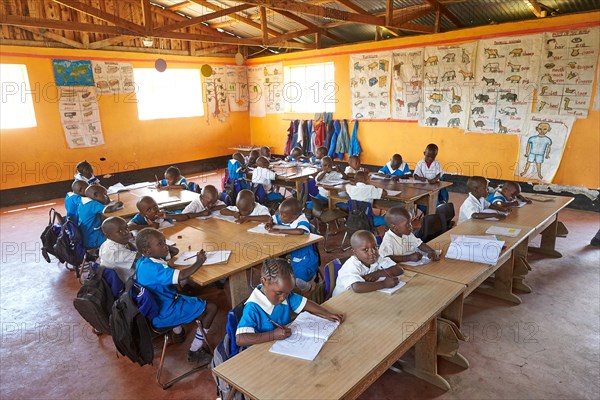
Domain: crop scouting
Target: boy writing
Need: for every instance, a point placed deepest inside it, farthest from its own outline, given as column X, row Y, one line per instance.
column 173, row 180
column 247, row 209
column 89, row 215
column 395, row 168
column 475, row 204
column 509, row 195
column 329, row 175
column 429, row 169
column 205, row 204
column 118, row 252
column 73, row 199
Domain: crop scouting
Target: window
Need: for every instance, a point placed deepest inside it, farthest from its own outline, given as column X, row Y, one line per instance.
column 16, row 110
column 174, row 93
column 310, row 88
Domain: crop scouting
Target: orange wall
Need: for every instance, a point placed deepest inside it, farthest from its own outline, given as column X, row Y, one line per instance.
column 470, row 154
column 40, row 155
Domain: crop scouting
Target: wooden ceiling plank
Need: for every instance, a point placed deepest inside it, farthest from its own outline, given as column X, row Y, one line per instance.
column 243, row 20
column 203, row 18
column 53, row 36
column 264, row 24
column 179, row 6
column 55, row 24
column 310, row 25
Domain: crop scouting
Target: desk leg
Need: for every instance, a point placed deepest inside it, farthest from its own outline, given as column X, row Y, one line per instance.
column 548, row 243
column 432, row 202
column 426, row 359
column 502, row 285
column 299, row 184
column 521, row 268
column 239, row 287
column 454, row 313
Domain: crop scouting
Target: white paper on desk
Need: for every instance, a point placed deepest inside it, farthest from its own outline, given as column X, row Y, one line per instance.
column 164, row 224
column 169, row 199
column 379, row 177
column 392, row 289
column 209, row 216
column 139, row 185
column 393, row 192
column 117, row 187
column 521, row 204
column 228, row 218
column 424, row 260
column 411, row 181
column 285, row 174
column 475, row 249
column 309, row 334
column 499, row 230
column 260, row 228
column 332, row 182
column 212, row 257
column 168, row 242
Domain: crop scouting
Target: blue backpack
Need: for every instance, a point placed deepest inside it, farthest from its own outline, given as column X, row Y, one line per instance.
column 69, row 247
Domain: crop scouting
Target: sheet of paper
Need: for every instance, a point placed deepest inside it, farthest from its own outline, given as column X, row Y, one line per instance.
column 424, row 260
column 379, row 177
column 164, row 224
column 502, row 231
column 212, row 257
column 261, row 229
column 394, row 192
column 139, row 185
column 474, row 249
column 170, row 199
column 117, row 187
column 169, row 242
column 393, row 289
column 228, row 218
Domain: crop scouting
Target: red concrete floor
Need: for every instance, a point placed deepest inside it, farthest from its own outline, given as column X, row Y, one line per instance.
column 547, row 347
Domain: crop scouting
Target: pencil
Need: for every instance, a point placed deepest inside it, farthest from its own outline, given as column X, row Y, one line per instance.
column 276, row 324
column 190, row 257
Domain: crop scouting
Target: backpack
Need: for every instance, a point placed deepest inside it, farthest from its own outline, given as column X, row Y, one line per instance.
column 94, row 301
column 130, row 330
column 50, row 234
column 359, row 217
column 69, row 247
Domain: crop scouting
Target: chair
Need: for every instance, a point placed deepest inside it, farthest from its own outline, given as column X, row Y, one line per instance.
column 194, row 187
column 309, row 189
column 446, row 213
column 321, row 214
column 331, row 272
column 431, row 227
column 270, row 200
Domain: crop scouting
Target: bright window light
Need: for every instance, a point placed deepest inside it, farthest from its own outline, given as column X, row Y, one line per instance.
column 174, row 93
column 16, row 110
column 310, row 88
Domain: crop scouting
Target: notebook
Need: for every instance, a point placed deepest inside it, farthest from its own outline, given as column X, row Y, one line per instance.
column 424, row 260
column 309, row 334
column 260, row 228
column 394, row 192
column 475, row 249
column 403, row 279
column 499, row 230
column 228, row 218
column 212, row 257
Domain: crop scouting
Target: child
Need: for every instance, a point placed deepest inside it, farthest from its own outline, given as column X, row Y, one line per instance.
column 262, row 174
column 73, row 199
column 320, row 153
column 353, row 166
column 117, row 252
column 173, row 180
column 296, row 155
column 508, row 195
column 205, row 204
column 429, row 169
column 395, row 168
column 175, row 309
column 475, row 203
column 362, row 271
column 150, row 215
column 85, row 172
column 247, row 209
column 265, row 151
column 268, row 309
column 252, row 157
column 305, row 260
column 236, row 167
column 330, row 175
column 89, row 215
column 399, row 243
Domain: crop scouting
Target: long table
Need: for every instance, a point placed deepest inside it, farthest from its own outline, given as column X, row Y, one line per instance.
column 378, row 330
column 166, row 199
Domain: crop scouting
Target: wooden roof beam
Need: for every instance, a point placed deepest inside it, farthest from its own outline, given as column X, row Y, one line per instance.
column 290, row 35
column 417, row 12
column 352, row 6
column 179, row 6
column 61, row 25
column 535, row 8
column 232, row 40
column 53, row 36
column 445, row 12
column 202, row 18
column 264, row 24
column 310, row 25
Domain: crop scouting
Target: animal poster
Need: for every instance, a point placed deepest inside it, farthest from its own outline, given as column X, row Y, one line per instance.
column 237, row 87
column 80, row 116
column 542, row 146
column 370, row 76
column 506, row 75
column 113, row 77
column 407, row 79
column 567, row 72
column 448, row 76
column 73, row 72
column 273, row 87
column 256, row 96
column 216, row 94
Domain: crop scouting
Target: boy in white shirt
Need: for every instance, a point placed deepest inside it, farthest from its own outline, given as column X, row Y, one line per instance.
column 206, row 203
column 399, row 243
column 429, row 169
column 117, row 252
column 353, row 166
column 475, row 203
column 330, row 175
column 247, row 209
column 362, row 271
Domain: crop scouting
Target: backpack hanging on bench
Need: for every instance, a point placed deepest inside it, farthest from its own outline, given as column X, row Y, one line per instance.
column 359, row 217
column 94, row 301
column 50, row 234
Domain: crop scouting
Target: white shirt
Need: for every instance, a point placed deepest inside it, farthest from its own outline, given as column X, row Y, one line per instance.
column 428, row 172
column 119, row 257
column 363, row 192
column 330, row 178
column 196, row 206
column 350, row 170
column 394, row 245
column 264, row 176
column 258, row 210
column 353, row 270
column 470, row 206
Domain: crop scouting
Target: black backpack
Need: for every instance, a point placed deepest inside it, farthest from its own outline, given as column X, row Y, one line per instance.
column 94, row 301
column 359, row 217
column 50, row 234
column 130, row 330
column 69, row 247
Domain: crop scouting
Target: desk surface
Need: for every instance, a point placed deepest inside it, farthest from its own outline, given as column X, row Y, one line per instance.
column 536, row 213
column 167, row 199
column 376, row 326
column 300, row 171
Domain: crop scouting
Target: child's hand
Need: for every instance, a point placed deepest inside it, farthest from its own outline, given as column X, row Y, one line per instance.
column 204, row 213
column 334, row 317
column 269, row 225
column 433, row 256
column 395, row 178
column 173, row 251
column 370, row 278
column 282, row 333
column 118, row 204
column 240, row 219
column 200, row 258
column 500, row 216
column 390, row 282
column 161, row 214
column 415, row 257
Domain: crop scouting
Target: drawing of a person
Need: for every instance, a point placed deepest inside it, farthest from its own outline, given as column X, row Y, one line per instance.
column 538, row 147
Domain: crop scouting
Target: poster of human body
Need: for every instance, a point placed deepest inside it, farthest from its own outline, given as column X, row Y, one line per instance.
column 506, row 74
column 542, row 146
column 407, row 78
column 113, row 77
column 448, row 75
column 567, row 72
column 80, row 116
column 370, row 76
column 237, row 87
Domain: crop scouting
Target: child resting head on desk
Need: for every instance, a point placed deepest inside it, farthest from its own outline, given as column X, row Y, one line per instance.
column 205, row 204
column 89, row 215
column 252, row 157
column 247, row 209
column 268, row 309
column 297, row 155
column 173, row 180
column 73, row 199
column 153, row 273
column 399, row 243
column 362, row 271
column 475, row 204
column 150, row 215
column 509, row 195
column 395, row 168
column 118, row 252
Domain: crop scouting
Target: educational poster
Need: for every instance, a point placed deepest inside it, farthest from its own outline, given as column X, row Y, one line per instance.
column 113, row 77
column 256, row 97
column 506, row 75
column 370, row 80
column 73, row 73
column 80, row 116
column 273, row 87
column 567, row 72
column 542, row 146
column 216, row 94
column 236, row 84
column 407, row 79
column 448, row 76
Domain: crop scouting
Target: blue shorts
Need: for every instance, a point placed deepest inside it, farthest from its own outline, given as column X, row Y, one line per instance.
column 536, row 158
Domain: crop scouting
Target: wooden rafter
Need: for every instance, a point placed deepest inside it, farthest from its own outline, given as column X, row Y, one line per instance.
column 146, row 8
column 179, row 6
column 62, row 25
column 389, row 12
column 413, row 13
column 109, row 42
column 264, row 24
column 290, row 35
column 444, row 10
column 352, row 6
column 310, row 25
column 233, row 40
column 53, row 36
column 203, row 18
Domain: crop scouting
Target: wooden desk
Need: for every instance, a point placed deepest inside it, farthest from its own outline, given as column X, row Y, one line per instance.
column 300, row 176
column 245, row 150
column 378, row 330
column 247, row 249
column 172, row 199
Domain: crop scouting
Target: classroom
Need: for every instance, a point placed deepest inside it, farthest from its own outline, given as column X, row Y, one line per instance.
column 312, row 199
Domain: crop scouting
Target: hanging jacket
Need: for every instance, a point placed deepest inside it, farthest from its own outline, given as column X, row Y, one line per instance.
column 337, row 128
column 295, row 140
column 299, row 134
column 305, row 137
column 311, row 137
column 290, row 139
column 343, row 143
column 355, row 149
column 329, row 131
column 320, row 134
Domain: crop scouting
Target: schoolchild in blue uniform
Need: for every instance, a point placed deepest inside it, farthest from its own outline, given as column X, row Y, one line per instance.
column 150, row 215
column 236, row 170
column 320, row 153
column 89, row 214
column 296, row 155
column 174, row 309
column 73, row 199
column 395, row 168
column 268, row 309
column 85, row 172
column 509, row 195
column 173, row 180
